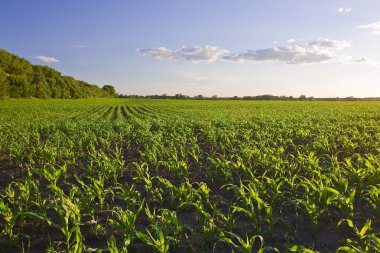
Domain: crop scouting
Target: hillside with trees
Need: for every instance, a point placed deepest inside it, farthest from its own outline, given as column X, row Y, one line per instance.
column 20, row 79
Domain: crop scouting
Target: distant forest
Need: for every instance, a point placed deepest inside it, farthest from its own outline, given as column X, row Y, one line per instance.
column 20, row 79
column 259, row 97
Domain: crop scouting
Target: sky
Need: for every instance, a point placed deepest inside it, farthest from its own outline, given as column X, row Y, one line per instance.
column 320, row 48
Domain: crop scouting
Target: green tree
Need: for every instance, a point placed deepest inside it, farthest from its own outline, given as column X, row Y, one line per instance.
column 18, row 85
column 110, row 90
column 19, row 78
column 3, row 84
column 302, row 97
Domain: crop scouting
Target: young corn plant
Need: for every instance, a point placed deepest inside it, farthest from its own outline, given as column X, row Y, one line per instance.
column 114, row 248
column 316, row 201
column 53, row 173
column 10, row 219
column 167, row 222
column 275, row 190
column 372, row 196
column 21, row 202
column 247, row 245
column 158, row 240
column 185, row 194
column 21, row 194
column 347, row 204
column 128, row 194
column 366, row 241
column 251, row 205
column 227, row 220
column 144, row 176
column 300, row 249
column 94, row 191
column 125, row 222
column 105, row 167
column 209, row 230
column 222, row 168
column 69, row 219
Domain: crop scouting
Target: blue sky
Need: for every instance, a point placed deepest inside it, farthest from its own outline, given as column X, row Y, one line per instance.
column 319, row 48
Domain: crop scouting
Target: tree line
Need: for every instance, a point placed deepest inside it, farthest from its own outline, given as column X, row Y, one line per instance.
column 259, row 97
column 21, row 79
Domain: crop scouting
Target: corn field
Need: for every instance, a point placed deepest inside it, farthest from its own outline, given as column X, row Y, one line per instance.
column 141, row 175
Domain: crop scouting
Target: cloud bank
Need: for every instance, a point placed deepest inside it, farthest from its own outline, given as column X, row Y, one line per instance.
column 295, row 52
column 197, row 54
column 373, row 27
column 47, row 59
column 315, row 51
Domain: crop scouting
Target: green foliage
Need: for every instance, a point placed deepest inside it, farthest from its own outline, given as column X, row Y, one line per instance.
column 366, row 240
column 110, row 89
column 119, row 175
column 248, row 245
column 20, row 79
column 3, row 83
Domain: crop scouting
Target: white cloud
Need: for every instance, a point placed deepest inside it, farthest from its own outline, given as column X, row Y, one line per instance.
column 361, row 59
column 344, row 9
column 348, row 60
column 202, row 54
column 47, row 59
column 295, row 52
column 80, row 46
column 373, row 27
column 197, row 54
column 161, row 53
column 328, row 44
column 367, row 61
column 315, row 51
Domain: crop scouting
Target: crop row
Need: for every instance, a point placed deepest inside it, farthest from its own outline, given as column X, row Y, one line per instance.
column 189, row 176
